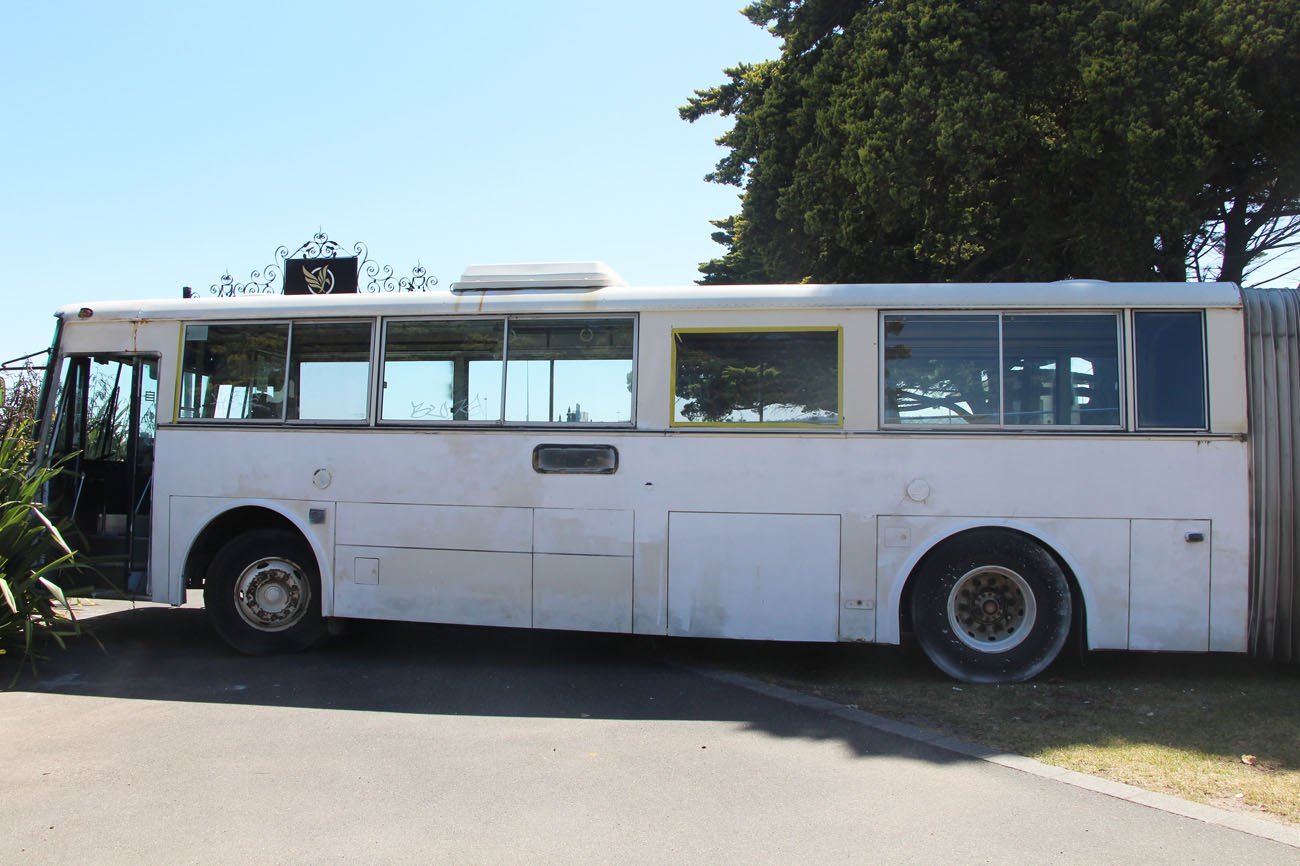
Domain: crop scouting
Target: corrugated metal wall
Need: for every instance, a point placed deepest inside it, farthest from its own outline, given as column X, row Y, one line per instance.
column 1273, row 391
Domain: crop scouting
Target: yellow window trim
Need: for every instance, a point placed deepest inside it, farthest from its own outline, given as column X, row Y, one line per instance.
column 762, row 425
column 180, row 373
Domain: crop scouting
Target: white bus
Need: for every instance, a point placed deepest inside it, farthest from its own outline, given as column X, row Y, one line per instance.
column 992, row 467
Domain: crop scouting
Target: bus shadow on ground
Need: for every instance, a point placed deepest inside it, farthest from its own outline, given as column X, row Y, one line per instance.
column 172, row 654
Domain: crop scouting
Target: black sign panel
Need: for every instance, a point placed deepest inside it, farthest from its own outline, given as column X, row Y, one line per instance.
column 320, row 276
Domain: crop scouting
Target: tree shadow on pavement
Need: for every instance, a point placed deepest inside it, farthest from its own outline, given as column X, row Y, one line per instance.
column 158, row 653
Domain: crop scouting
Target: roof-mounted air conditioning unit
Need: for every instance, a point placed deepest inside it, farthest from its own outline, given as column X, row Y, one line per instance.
column 545, row 275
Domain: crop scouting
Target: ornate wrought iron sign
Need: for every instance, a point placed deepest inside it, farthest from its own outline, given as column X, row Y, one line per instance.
column 321, row 276
column 317, row 268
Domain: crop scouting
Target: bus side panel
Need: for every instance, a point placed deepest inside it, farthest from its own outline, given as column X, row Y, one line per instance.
column 1146, row 584
column 563, row 568
column 1229, row 586
column 1170, row 571
column 650, row 572
column 466, row 587
column 1095, row 550
column 1078, row 494
column 583, row 568
column 756, row 576
column 1226, row 364
column 188, row 516
column 858, row 545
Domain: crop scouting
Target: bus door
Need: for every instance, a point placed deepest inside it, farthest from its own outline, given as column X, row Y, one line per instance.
column 104, row 427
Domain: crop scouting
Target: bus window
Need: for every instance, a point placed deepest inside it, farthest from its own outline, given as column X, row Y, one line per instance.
column 1170, row 368
column 443, row 371
column 784, row 377
column 1012, row 370
column 569, row 371
column 329, row 371
column 234, row 371
column 941, row 369
column 1061, row 370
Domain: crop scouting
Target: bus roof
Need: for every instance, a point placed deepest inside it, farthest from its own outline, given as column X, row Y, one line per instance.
column 1061, row 295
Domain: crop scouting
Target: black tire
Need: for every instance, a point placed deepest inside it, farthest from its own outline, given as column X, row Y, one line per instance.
column 991, row 606
column 262, row 593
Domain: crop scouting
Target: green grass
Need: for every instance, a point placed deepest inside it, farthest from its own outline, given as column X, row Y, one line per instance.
column 1222, row 730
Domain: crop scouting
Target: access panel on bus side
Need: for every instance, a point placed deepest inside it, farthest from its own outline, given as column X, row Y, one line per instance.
column 582, row 569
column 562, row 568
column 1170, row 585
column 756, row 576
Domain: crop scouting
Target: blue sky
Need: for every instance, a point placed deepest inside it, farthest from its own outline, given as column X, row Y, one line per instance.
column 147, row 146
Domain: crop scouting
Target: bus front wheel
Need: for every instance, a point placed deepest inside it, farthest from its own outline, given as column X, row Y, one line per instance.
column 262, row 593
column 991, row 606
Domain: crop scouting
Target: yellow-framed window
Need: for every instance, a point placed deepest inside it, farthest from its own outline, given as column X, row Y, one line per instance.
column 767, row 377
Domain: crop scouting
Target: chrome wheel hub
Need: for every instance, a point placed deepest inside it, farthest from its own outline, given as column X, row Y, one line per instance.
column 991, row 609
column 272, row 594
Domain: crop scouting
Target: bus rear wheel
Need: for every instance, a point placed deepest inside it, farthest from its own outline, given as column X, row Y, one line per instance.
column 991, row 606
column 262, row 593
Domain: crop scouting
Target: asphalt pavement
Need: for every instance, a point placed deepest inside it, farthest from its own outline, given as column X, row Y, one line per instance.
column 424, row 744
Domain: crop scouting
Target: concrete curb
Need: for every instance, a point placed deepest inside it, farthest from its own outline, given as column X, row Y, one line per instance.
column 1280, row 833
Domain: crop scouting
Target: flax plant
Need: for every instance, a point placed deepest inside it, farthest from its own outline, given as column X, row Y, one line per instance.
column 32, row 553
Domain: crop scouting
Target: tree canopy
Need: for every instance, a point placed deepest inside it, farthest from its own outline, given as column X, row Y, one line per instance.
column 982, row 139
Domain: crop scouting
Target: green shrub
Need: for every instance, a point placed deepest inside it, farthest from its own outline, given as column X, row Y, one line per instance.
column 32, row 552
column 19, row 390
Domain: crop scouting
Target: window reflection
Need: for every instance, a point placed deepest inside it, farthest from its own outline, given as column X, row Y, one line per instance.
column 443, row 371
column 757, row 377
column 569, row 371
column 1012, row 370
column 1170, row 349
column 941, row 369
column 329, row 371
column 234, row 371
column 1061, row 369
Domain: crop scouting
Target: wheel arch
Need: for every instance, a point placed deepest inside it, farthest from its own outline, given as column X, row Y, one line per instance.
column 236, row 518
column 1075, row 576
